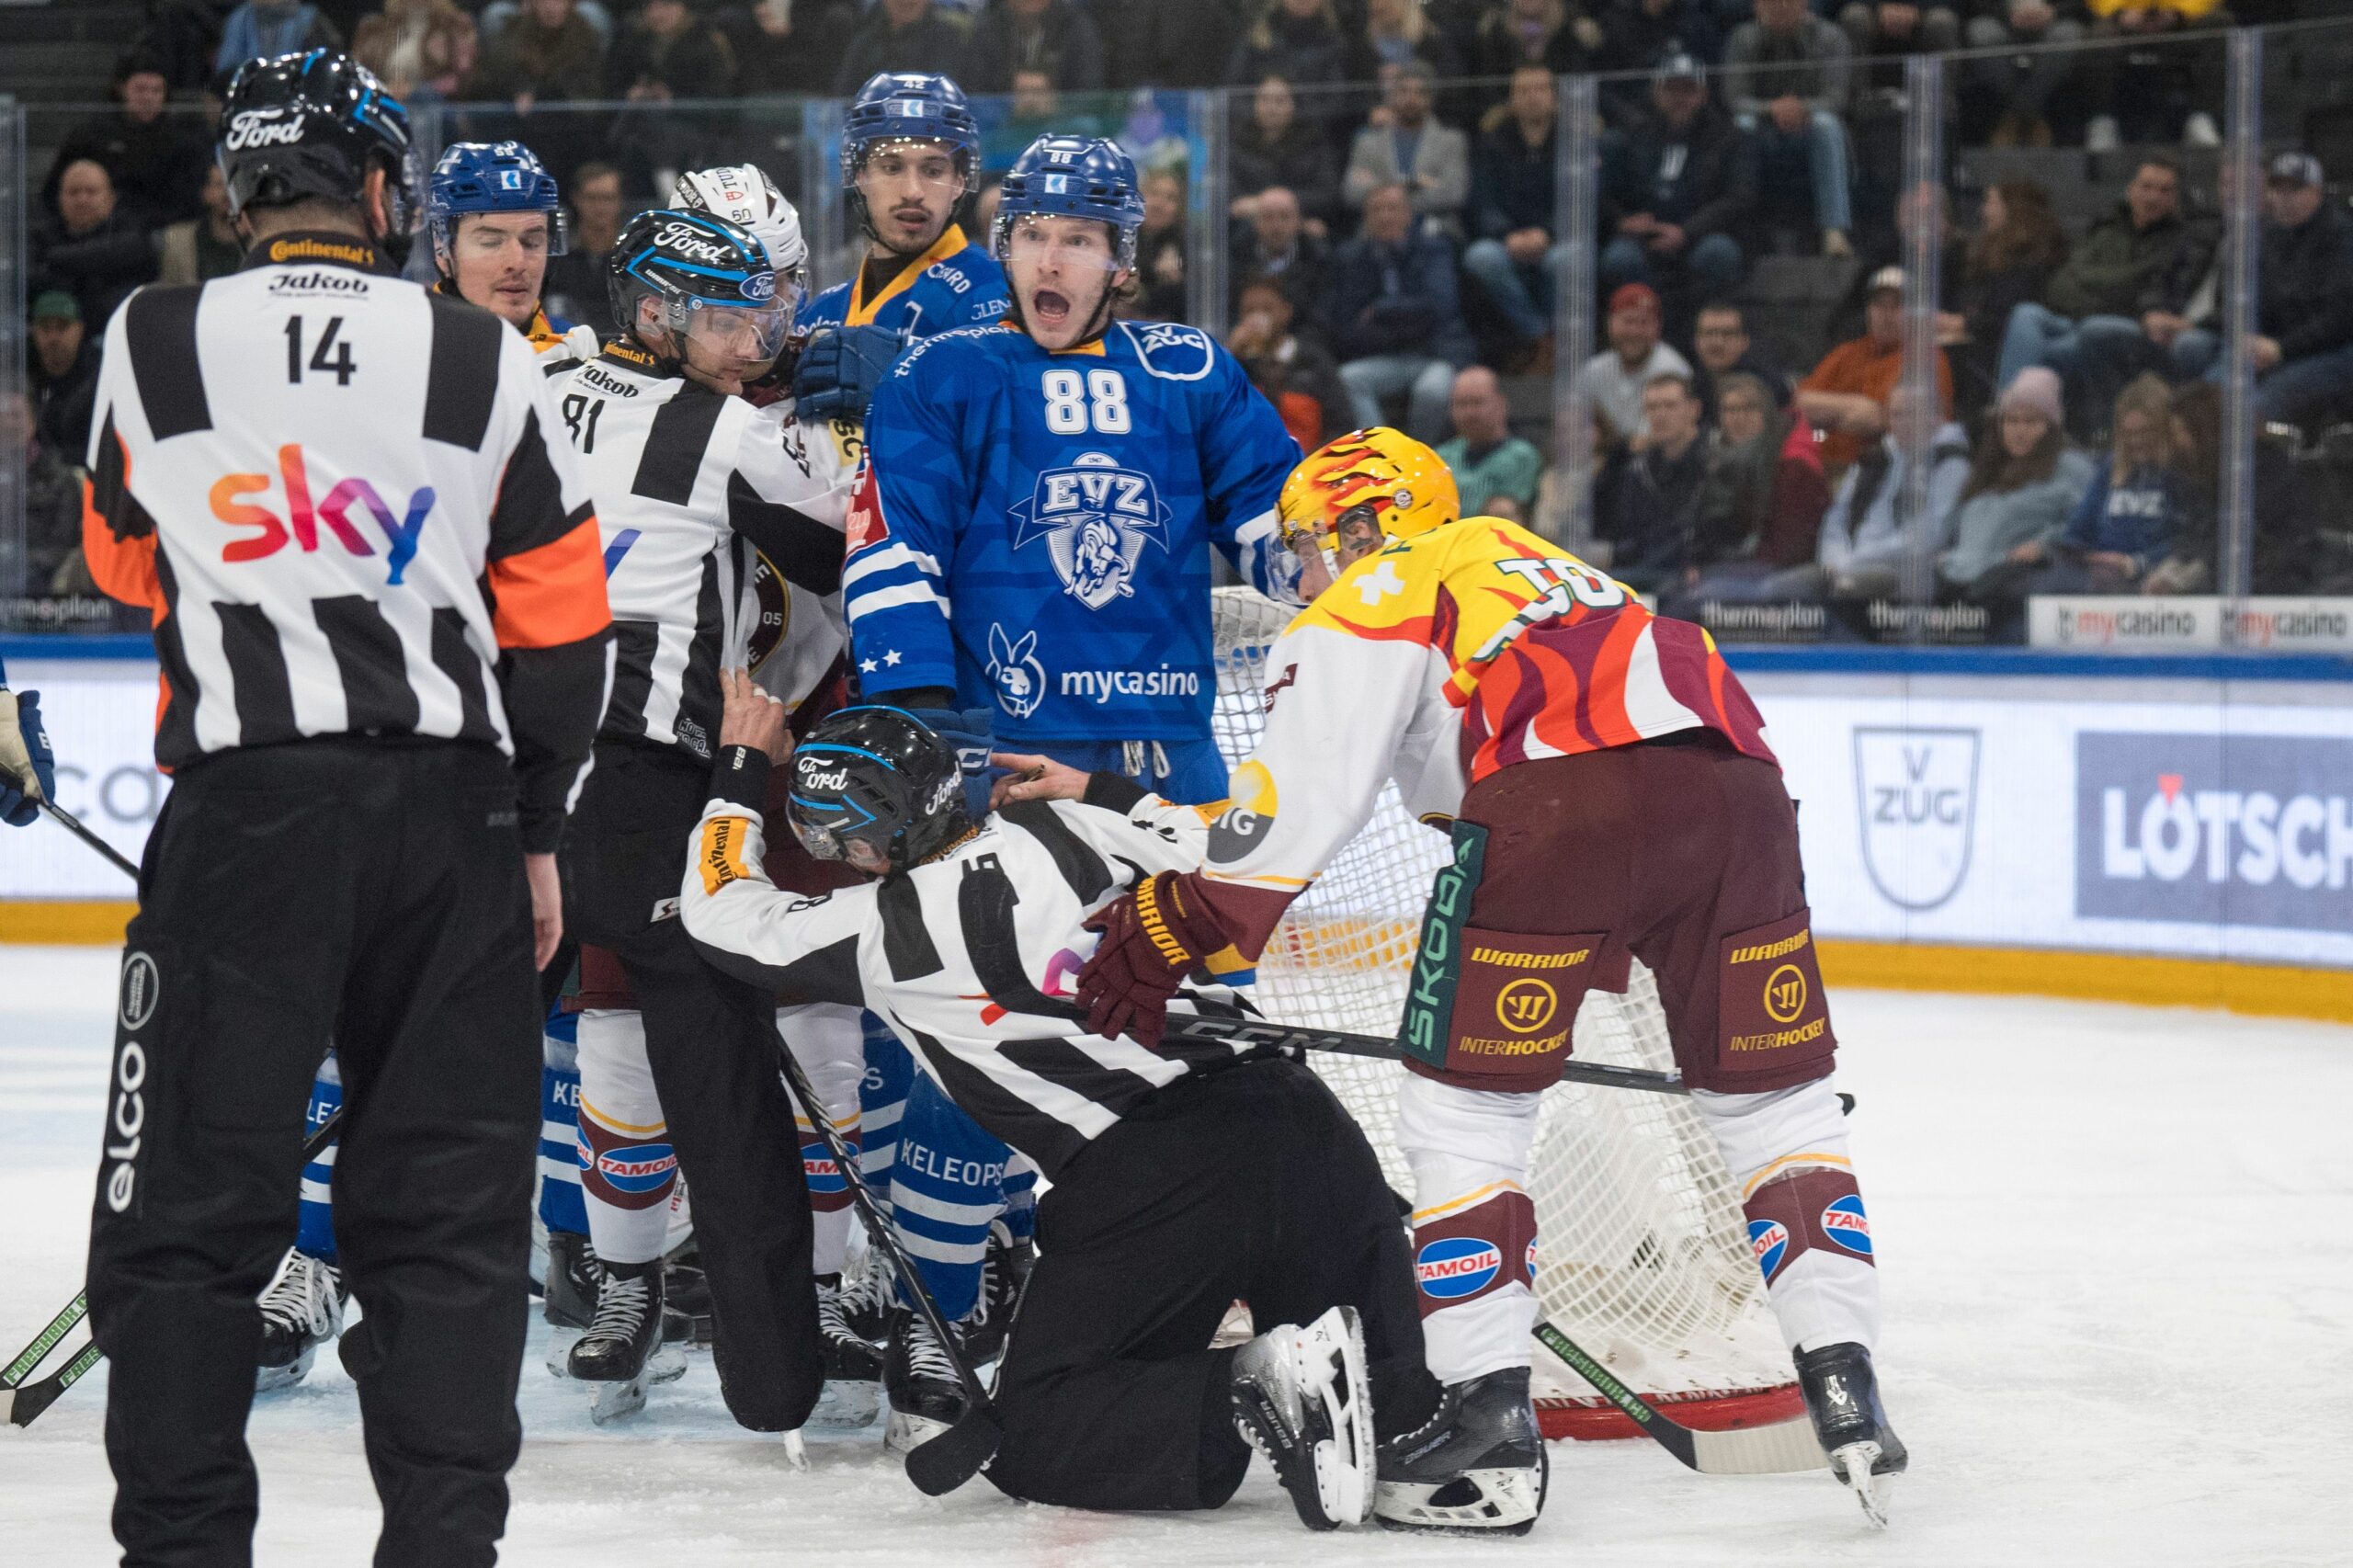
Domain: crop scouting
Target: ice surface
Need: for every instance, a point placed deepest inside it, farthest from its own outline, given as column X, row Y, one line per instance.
column 2118, row 1247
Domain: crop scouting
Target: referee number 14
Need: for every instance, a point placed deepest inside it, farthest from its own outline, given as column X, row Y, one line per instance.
column 330, row 356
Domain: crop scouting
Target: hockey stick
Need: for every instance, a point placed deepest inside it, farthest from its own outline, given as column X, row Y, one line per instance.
column 1243, row 1032
column 20, row 1401
column 1775, row 1449
column 956, row 1455
column 73, row 824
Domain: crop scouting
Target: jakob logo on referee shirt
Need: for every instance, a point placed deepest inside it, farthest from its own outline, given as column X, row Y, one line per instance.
column 340, row 509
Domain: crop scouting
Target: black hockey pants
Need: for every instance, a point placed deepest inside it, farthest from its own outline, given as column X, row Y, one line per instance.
column 711, row 1042
column 1251, row 1182
column 369, row 893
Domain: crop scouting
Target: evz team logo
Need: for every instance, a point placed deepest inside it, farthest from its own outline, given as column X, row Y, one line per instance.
column 1096, row 518
column 1915, row 792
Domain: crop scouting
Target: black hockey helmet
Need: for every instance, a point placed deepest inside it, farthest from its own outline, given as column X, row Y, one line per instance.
column 879, row 775
column 314, row 125
column 702, row 268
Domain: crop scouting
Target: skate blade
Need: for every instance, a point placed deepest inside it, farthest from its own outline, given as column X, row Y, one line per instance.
column 796, row 1452
column 1507, row 1503
column 668, row 1363
column 904, row 1433
column 1329, row 1357
column 846, row 1404
column 608, row 1402
column 1852, row 1464
column 269, row 1379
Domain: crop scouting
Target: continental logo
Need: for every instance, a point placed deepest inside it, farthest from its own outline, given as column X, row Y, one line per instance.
column 1774, row 1039
column 1473, row 1046
column 721, row 859
column 1526, row 1005
column 1503, row 959
column 1781, row 948
column 349, row 253
column 629, row 355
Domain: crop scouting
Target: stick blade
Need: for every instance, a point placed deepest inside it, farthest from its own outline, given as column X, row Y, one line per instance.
column 956, row 1456
column 1785, row 1447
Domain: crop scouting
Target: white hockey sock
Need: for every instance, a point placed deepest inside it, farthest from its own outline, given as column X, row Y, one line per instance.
column 829, row 1042
column 1474, row 1228
column 628, row 1169
column 1787, row 1150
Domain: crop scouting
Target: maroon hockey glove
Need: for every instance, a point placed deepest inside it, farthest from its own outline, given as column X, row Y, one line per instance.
column 1153, row 939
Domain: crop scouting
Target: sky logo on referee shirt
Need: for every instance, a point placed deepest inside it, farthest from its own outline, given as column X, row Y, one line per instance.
column 340, row 511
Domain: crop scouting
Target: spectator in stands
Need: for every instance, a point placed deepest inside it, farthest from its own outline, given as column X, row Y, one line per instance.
column 548, row 53
column 1036, row 110
column 1276, row 148
column 259, row 29
column 1408, row 145
column 2023, row 485
column 2146, row 94
column 63, row 373
column 1294, row 371
column 1648, row 505
column 577, row 280
column 1301, row 41
column 1786, row 75
column 1053, row 36
column 2303, row 351
column 1760, row 508
column 412, row 42
column 1275, row 246
column 1613, row 379
column 2024, row 82
column 1167, row 43
column 1887, row 30
column 667, row 52
column 1396, row 32
column 157, row 161
column 788, row 46
column 2289, row 543
column 1883, row 245
column 1158, row 293
column 202, row 248
column 1847, row 395
column 1720, row 342
column 2127, row 521
column 1486, row 460
column 1675, row 189
column 2011, row 258
column 92, row 248
column 1643, row 35
column 1870, row 531
column 2093, row 323
column 1514, row 257
column 51, row 561
column 1535, row 32
column 1394, row 316
column 904, row 35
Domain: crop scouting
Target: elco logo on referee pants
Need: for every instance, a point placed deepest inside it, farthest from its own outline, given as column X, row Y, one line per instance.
column 301, row 521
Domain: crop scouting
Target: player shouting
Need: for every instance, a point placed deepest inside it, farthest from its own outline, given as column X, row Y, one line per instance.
column 1057, row 482
column 1611, row 796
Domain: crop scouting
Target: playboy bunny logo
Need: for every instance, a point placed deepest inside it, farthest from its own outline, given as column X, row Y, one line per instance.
column 1020, row 679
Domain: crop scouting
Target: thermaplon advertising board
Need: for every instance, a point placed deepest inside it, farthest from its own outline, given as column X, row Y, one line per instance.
column 2191, row 817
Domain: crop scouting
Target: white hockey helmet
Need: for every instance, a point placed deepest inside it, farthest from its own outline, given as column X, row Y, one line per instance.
column 744, row 195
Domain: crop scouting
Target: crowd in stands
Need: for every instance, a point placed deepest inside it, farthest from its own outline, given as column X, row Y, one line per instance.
column 1392, row 175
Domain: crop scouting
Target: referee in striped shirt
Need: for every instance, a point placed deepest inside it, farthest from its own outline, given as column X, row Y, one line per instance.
column 381, row 615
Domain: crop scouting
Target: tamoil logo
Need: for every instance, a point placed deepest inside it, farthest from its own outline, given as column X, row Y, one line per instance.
column 1457, row 1266
column 300, row 524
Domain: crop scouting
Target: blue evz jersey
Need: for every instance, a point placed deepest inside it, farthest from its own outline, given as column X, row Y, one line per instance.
column 954, row 284
column 1033, row 529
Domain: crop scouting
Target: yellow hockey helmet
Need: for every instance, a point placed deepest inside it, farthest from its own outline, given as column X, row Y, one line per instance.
column 1379, row 475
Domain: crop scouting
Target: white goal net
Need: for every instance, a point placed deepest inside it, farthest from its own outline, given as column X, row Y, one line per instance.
column 1643, row 1255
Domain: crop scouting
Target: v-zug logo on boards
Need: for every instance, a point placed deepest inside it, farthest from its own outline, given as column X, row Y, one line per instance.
column 1915, row 795
column 349, row 499
column 2241, row 830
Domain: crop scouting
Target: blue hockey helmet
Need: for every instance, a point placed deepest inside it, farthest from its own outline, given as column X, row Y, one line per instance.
column 316, row 125
column 1073, row 177
column 704, row 271
column 489, row 176
column 908, row 105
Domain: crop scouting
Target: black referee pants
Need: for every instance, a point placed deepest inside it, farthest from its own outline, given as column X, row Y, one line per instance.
column 369, row 893
column 1252, row 1182
column 711, row 1042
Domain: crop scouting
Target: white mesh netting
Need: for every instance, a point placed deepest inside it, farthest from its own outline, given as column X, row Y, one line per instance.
column 1643, row 1255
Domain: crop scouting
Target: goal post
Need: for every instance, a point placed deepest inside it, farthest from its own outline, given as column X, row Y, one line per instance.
column 1642, row 1255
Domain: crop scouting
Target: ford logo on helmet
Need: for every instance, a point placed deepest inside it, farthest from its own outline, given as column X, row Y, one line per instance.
column 760, row 286
column 263, row 128
column 832, row 782
column 688, row 240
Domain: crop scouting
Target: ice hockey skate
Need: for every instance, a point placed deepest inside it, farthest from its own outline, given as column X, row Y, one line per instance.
column 572, row 1276
column 1302, row 1400
column 866, row 1298
column 622, row 1352
column 1842, row 1395
column 852, row 1390
column 1477, row 1465
column 1004, row 1271
column 926, row 1394
column 302, row 1309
